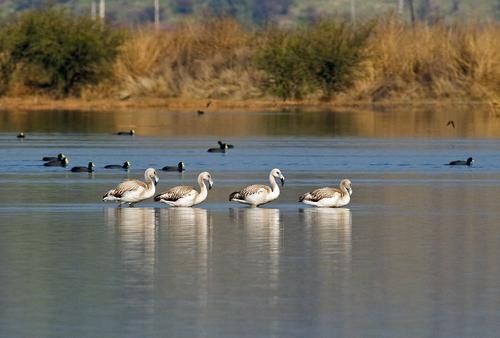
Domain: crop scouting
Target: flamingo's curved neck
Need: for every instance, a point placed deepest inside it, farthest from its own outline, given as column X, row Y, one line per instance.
column 203, row 190
column 274, row 186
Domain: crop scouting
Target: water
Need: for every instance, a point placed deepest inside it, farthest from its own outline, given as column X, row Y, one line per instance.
column 414, row 254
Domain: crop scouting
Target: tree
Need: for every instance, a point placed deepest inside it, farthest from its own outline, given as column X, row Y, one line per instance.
column 51, row 50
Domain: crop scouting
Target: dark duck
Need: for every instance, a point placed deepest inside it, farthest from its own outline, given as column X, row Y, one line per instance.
column 125, row 165
column 88, row 169
column 57, row 163
column 59, row 157
column 468, row 162
column 220, row 149
column 180, row 167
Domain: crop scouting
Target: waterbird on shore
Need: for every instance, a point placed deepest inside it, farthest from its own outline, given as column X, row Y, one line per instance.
column 88, row 169
column 125, row 165
column 220, row 149
column 21, row 135
column 57, row 163
column 259, row 194
column 59, row 157
column 180, row 167
column 130, row 132
column 187, row 196
column 469, row 162
column 451, row 123
column 329, row 197
column 134, row 191
column 222, row 145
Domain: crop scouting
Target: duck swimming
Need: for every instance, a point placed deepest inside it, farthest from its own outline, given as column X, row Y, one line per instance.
column 125, row 165
column 180, row 167
column 88, row 169
column 221, row 149
column 57, row 163
column 59, row 157
column 468, row 162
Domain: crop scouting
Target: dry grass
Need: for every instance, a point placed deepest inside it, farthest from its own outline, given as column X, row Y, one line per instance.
column 212, row 59
column 433, row 62
column 215, row 59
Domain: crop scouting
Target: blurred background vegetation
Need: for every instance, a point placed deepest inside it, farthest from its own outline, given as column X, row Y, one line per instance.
column 261, row 12
column 223, row 49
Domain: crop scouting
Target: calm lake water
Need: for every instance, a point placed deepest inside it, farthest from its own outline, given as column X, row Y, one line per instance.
column 415, row 253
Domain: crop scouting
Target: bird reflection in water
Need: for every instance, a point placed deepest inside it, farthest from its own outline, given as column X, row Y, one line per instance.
column 332, row 227
column 256, row 218
column 187, row 232
column 135, row 237
column 260, row 224
column 184, row 217
column 263, row 241
column 185, row 251
column 132, row 219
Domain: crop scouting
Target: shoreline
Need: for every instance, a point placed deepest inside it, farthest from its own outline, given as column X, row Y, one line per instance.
column 41, row 103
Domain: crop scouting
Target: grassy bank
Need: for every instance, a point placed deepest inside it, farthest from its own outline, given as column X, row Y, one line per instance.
column 221, row 60
column 41, row 103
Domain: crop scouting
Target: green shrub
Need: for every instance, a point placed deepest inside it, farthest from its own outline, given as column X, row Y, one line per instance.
column 325, row 56
column 56, row 52
column 337, row 50
column 282, row 59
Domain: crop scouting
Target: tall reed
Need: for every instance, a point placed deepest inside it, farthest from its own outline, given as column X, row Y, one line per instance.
column 432, row 61
column 205, row 59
